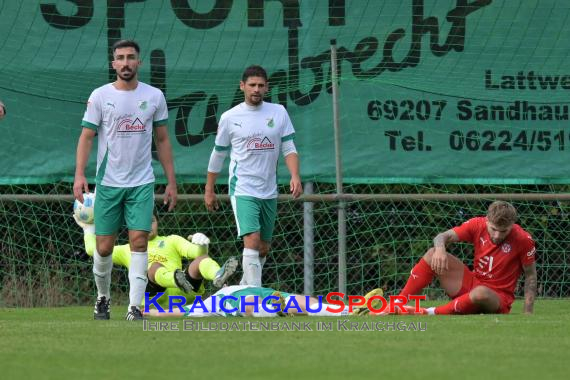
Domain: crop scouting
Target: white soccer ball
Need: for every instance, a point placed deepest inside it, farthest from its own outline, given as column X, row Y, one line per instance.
column 85, row 212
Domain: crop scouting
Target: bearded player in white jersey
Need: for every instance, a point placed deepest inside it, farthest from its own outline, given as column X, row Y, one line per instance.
column 255, row 133
column 124, row 115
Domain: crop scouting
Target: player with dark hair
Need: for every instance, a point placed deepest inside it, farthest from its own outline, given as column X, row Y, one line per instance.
column 502, row 251
column 124, row 115
column 254, row 132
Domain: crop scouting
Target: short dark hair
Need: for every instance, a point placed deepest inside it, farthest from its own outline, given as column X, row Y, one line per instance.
column 254, row 71
column 124, row 44
column 502, row 214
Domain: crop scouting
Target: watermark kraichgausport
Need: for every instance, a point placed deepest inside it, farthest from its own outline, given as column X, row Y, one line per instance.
column 270, row 304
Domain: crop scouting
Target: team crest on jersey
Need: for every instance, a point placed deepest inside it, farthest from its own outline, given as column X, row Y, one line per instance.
column 506, row 247
column 270, row 123
column 143, row 104
column 161, row 244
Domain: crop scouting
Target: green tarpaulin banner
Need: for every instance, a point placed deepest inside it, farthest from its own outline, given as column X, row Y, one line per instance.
column 440, row 91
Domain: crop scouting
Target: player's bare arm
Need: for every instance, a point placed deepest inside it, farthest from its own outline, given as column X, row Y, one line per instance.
column 84, row 146
column 292, row 162
column 209, row 193
column 164, row 149
column 214, row 167
column 439, row 262
column 530, row 287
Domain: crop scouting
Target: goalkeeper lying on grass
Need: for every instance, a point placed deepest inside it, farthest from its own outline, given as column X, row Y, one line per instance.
column 165, row 255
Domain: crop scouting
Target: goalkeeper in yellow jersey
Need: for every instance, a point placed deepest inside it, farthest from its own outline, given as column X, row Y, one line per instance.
column 165, row 254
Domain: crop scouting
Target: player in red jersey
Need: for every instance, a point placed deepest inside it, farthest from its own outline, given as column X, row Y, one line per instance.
column 503, row 250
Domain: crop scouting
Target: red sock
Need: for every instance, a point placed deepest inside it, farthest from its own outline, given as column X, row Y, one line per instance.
column 420, row 277
column 459, row 305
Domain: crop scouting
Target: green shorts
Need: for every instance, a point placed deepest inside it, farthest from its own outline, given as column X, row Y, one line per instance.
column 115, row 205
column 255, row 214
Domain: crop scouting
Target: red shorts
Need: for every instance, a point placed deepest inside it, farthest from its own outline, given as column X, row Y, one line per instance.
column 470, row 281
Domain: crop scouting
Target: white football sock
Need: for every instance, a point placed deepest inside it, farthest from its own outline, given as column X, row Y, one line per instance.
column 262, row 260
column 102, row 267
column 137, row 278
column 251, row 267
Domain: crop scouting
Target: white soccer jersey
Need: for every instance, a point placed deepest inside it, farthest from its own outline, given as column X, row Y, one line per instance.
column 254, row 135
column 124, row 121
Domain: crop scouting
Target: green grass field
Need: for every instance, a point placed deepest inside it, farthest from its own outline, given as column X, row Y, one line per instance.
column 64, row 343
